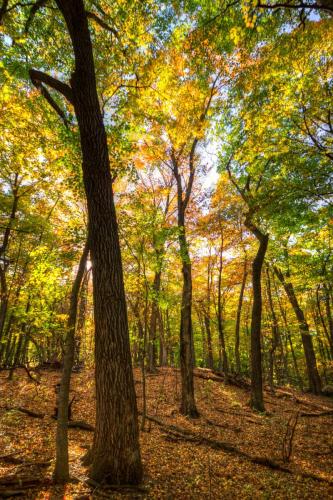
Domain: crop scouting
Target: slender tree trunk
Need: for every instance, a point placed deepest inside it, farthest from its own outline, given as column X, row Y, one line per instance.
column 322, row 321
column 210, row 359
column 4, row 264
column 188, row 406
column 115, row 454
column 321, row 347
column 81, row 320
column 310, row 357
column 275, row 330
column 329, row 313
column 223, row 352
column 257, row 399
column 163, row 354
column 153, row 323
column 203, row 337
column 238, row 318
column 61, row 470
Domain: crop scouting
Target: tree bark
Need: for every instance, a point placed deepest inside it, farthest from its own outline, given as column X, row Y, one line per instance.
column 188, row 406
column 275, row 330
column 238, row 318
column 115, row 452
column 310, row 356
column 322, row 321
column 327, row 289
column 223, row 352
column 153, row 323
column 61, row 470
column 257, row 399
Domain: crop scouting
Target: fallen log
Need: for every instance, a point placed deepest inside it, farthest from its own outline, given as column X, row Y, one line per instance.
column 74, row 424
column 216, row 376
column 26, row 411
column 180, row 434
column 321, row 414
column 80, row 424
column 281, row 393
column 222, row 426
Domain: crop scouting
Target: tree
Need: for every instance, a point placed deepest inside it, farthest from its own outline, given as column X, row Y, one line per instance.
column 115, row 454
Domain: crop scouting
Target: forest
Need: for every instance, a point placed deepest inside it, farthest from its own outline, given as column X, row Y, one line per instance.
column 166, row 249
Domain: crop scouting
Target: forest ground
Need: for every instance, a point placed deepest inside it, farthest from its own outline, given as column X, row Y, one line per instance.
column 219, row 455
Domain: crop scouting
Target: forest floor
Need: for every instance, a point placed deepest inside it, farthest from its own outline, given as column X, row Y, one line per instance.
column 230, row 452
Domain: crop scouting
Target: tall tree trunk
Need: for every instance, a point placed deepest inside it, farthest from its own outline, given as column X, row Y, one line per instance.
column 115, row 454
column 327, row 289
column 81, row 320
column 322, row 321
column 210, row 359
column 153, row 323
column 310, row 357
column 4, row 264
column 163, row 353
column 61, row 470
column 257, row 399
column 238, row 317
column 223, row 352
column 188, row 406
column 276, row 342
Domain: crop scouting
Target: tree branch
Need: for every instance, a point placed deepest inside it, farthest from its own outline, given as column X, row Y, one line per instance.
column 3, row 9
column 102, row 23
column 300, row 5
column 34, row 9
column 38, row 77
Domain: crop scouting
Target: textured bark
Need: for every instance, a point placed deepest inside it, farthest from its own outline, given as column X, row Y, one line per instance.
column 153, row 323
column 223, row 352
column 238, row 317
column 163, row 354
column 210, row 359
column 322, row 321
column 188, row 406
column 327, row 290
column 310, row 356
column 61, row 470
column 257, row 399
column 4, row 263
column 115, row 453
column 81, row 320
column 275, row 331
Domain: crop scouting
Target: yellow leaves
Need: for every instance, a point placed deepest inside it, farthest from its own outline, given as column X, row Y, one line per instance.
column 236, row 34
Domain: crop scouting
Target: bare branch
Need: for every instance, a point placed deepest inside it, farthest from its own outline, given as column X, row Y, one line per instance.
column 300, row 5
column 3, row 9
column 102, row 23
column 38, row 77
column 34, row 9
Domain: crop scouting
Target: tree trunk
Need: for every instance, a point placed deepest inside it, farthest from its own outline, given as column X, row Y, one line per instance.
column 163, row 353
column 329, row 312
column 4, row 264
column 210, row 359
column 257, row 400
column 238, row 318
column 61, row 470
column 275, row 331
column 188, row 406
column 81, row 320
column 115, row 453
column 310, row 357
column 153, row 323
column 323, row 323
column 223, row 352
